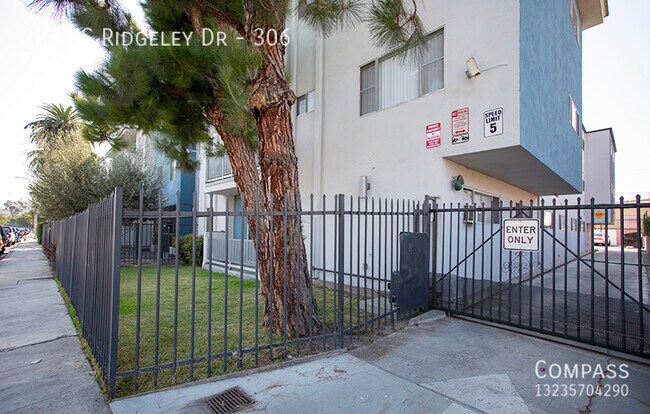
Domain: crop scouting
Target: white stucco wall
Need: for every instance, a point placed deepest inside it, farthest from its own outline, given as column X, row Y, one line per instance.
column 599, row 155
column 388, row 146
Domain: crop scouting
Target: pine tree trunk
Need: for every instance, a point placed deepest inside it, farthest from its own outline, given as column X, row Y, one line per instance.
column 249, row 186
column 246, row 177
column 270, row 101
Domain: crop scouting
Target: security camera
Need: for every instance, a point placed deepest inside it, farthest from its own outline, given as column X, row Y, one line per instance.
column 472, row 68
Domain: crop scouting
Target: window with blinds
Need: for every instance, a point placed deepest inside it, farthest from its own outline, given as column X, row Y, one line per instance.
column 389, row 81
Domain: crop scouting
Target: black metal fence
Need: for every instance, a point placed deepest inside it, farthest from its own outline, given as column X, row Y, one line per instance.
column 182, row 321
column 207, row 317
column 569, row 287
column 187, row 312
column 85, row 253
column 146, row 236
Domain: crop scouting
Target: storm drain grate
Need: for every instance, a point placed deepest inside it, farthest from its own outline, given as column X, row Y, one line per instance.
column 229, row 401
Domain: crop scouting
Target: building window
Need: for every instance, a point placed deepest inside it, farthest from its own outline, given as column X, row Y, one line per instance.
column 368, row 88
column 575, row 19
column 574, row 224
column 306, row 102
column 574, row 116
column 389, row 81
column 548, row 219
column 561, row 222
column 172, row 170
column 483, row 200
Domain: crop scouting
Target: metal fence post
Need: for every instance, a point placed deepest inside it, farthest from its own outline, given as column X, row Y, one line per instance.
column 434, row 250
column 341, row 263
column 116, row 245
column 73, row 299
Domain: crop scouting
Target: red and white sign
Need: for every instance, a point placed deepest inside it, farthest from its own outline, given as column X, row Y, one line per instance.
column 460, row 126
column 433, row 135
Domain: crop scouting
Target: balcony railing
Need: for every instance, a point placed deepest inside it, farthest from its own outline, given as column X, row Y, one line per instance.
column 219, row 168
column 234, row 249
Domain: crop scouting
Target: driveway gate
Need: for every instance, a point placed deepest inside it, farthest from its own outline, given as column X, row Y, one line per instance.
column 566, row 286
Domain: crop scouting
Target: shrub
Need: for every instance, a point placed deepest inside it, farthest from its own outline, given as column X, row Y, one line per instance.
column 39, row 232
column 646, row 226
column 186, row 250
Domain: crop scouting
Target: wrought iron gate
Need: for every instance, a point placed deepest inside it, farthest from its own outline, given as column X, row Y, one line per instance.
column 570, row 287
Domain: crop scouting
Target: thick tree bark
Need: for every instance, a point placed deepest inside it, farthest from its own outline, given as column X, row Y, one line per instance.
column 284, row 271
column 270, row 101
column 246, row 177
column 256, row 195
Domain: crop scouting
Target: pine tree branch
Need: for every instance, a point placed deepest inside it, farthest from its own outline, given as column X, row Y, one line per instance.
column 222, row 15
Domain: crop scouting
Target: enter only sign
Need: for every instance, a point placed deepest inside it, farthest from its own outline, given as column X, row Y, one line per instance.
column 520, row 234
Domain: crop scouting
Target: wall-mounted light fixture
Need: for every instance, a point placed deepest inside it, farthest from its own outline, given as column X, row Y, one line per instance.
column 472, row 68
column 457, row 183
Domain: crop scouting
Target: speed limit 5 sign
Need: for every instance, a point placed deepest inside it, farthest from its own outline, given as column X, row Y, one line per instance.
column 493, row 122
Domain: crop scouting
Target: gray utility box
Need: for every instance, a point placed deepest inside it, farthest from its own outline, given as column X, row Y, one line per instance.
column 409, row 286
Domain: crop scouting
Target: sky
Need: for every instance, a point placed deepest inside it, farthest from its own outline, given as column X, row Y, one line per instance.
column 40, row 57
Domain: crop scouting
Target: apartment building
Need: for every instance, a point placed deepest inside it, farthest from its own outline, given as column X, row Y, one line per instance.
column 171, row 178
column 177, row 190
column 497, row 100
column 598, row 183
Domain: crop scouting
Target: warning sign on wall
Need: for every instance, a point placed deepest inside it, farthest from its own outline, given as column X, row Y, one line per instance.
column 433, row 135
column 460, row 126
column 493, row 122
column 520, row 234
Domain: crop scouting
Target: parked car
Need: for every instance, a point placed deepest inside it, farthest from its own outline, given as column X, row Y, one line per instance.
column 17, row 233
column 11, row 236
column 599, row 239
column 22, row 233
column 2, row 241
column 631, row 240
column 4, row 236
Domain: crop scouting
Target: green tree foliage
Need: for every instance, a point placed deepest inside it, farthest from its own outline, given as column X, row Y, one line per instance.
column 241, row 90
column 68, row 175
column 4, row 217
column 169, row 88
column 127, row 169
column 14, row 208
column 24, row 219
column 186, row 250
column 55, row 121
column 39, row 232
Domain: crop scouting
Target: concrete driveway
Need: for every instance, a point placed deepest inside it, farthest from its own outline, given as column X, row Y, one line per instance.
column 625, row 272
column 495, row 370
column 608, row 305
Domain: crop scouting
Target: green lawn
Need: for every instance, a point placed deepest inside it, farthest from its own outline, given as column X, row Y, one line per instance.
column 166, row 377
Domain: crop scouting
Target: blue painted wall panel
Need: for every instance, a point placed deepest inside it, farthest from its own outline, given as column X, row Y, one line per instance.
column 183, row 182
column 550, row 71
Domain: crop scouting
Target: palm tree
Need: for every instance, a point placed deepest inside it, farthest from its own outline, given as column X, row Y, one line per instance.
column 56, row 122
column 240, row 90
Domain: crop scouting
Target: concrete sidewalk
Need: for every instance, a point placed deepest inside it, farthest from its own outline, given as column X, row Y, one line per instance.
column 436, row 365
column 42, row 365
